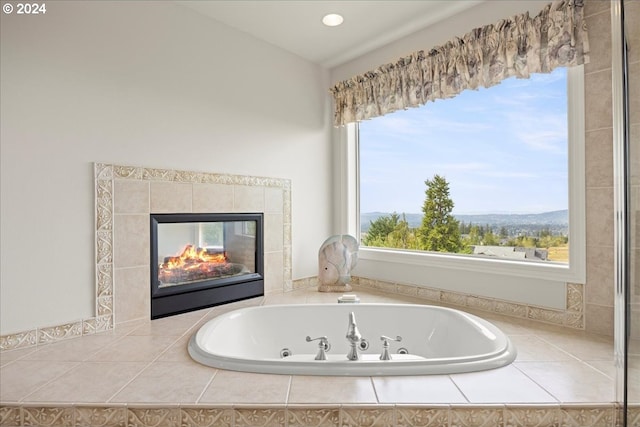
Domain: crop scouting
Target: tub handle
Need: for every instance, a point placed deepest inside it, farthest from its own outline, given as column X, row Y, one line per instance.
column 385, row 346
column 323, row 347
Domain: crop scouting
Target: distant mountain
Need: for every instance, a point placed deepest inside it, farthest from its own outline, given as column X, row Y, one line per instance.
column 545, row 218
column 557, row 221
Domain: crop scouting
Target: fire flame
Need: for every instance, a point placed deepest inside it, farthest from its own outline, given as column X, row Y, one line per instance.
column 191, row 257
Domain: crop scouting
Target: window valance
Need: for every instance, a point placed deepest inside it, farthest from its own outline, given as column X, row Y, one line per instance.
column 518, row 46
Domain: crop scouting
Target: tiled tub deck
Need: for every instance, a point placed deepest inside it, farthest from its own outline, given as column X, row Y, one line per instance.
column 141, row 375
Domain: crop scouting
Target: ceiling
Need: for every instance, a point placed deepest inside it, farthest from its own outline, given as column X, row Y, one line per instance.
column 296, row 26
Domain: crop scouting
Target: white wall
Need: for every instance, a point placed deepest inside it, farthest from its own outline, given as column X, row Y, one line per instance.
column 149, row 84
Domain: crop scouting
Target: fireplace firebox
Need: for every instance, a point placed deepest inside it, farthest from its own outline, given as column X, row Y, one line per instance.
column 204, row 259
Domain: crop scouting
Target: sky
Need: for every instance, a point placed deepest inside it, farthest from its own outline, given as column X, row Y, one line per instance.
column 502, row 150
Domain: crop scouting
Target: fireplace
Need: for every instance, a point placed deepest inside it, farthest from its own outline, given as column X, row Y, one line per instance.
column 205, row 259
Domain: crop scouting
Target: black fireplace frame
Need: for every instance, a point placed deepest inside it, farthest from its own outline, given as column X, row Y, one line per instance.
column 169, row 301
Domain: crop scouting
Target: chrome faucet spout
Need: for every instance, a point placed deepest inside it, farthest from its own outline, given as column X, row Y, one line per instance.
column 353, row 336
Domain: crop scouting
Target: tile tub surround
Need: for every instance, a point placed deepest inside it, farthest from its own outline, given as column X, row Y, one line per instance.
column 140, row 374
column 572, row 316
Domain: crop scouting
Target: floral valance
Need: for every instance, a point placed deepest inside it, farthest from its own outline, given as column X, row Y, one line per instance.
column 518, row 46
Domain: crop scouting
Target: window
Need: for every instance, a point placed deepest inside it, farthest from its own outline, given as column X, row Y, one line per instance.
column 511, row 159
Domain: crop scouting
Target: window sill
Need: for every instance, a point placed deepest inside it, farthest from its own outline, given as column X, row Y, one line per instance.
column 543, row 271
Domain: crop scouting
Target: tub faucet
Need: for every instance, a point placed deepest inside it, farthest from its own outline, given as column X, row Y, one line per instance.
column 354, row 337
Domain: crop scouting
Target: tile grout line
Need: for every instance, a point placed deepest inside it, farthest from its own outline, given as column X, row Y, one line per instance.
column 75, row 365
column 206, row 387
column 375, row 391
column 458, row 388
column 109, row 400
column 558, row 401
column 286, row 400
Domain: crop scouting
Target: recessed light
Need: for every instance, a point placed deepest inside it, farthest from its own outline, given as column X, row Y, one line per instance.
column 332, row 20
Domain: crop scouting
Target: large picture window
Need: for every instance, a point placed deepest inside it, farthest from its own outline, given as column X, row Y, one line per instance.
column 491, row 175
column 484, row 173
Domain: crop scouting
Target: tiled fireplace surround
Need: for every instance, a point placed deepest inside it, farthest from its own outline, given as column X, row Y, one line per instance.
column 126, row 195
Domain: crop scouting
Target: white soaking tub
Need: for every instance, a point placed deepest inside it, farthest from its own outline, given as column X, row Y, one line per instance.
column 273, row 339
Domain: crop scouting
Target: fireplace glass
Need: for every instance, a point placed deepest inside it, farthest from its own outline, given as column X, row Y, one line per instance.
column 204, row 257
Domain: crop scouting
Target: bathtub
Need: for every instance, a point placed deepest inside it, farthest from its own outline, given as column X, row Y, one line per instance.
column 273, row 339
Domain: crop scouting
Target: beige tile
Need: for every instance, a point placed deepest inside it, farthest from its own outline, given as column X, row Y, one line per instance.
column 283, row 298
column 600, row 275
column 73, row 350
column 632, row 17
column 533, row 348
column 592, row 7
column 273, row 271
column 634, row 91
column 367, row 417
column 260, row 417
column 21, row 378
column 273, row 234
column 11, row 416
column 178, row 352
column 482, row 416
column 587, row 415
column 197, row 416
column 100, row 416
column 156, row 416
column 212, row 198
column 324, row 297
column 503, row 385
column 168, row 197
column 599, row 319
column 634, row 158
column 422, row 417
column 598, row 100
column 131, row 240
column 132, row 298
column 510, row 325
column 570, row 381
column 167, row 382
column 607, row 367
column 300, row 416
column 273, row 200
column 125, row 328
column 48, row 415
column 599, row 216
column 582, row 345
column 93, row 382
column 599, row 158
column 171, row 326
column 600, row 46
column 244, row 388
column 134, row 349
column 248, row 198
column 309, row 389
column 417, row 389
column 532, row 416
column 9, row 356
column 131, row 197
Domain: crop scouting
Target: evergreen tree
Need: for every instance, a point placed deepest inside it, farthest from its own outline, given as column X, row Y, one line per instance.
column 380, row 229
column 439, row 230
column 504, row 233
column 402, row 236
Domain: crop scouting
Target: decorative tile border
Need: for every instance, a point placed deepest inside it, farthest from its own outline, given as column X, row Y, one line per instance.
column 571, row 317
column 104, row 175
column 575, row 415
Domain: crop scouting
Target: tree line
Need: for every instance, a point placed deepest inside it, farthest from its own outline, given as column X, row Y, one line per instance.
column 440, row 231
